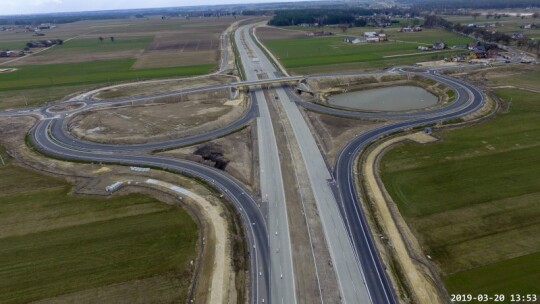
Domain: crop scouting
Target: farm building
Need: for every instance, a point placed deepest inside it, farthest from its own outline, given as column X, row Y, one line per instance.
column 354, row 40
column 409, row 29
column 375, row 37
column 370, row 34
column 439, row 45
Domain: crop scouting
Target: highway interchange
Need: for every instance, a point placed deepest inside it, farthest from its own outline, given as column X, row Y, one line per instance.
column 361, row 275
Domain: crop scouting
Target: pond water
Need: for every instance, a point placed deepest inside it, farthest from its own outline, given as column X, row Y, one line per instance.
column 395, row 98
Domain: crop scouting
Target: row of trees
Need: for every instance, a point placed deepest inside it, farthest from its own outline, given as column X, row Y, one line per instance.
column 352, row 16
column 530, row 45
column 482, row 33
column 428, row 5
column 44, row 43
column 101, row 39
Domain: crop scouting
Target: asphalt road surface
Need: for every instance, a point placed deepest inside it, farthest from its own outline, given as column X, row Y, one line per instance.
column 282, row 284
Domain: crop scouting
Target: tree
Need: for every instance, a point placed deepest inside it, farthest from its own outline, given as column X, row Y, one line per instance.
column 535, row 15
column 112, row 39
column 475, row 15
column 100, row 39
column 343, row 27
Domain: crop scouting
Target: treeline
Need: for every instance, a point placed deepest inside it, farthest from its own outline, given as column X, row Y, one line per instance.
column 467, row 4
column 482, row 33
column 351, row 16
column 62, row 18
column 56, row 19
column 43, row 43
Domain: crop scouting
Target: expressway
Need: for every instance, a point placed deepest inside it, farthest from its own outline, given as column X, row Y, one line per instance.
column 357, row 264
column 282, row 283
column 348, row 271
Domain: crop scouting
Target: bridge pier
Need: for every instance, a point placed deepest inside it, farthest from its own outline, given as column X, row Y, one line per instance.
column 233, row 93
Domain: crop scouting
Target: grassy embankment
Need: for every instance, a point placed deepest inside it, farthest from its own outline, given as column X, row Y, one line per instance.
column 323, row 54
column 473, row 199
column 121, row 248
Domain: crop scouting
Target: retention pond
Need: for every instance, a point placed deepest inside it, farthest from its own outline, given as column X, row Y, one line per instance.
column 395, row 98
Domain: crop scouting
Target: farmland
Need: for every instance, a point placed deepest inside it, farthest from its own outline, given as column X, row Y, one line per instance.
column 90, row 49
column 40, row 83
column 322, row 54
column 43, row 76
column 125, row 248
column 141, row 48
column 473, row 200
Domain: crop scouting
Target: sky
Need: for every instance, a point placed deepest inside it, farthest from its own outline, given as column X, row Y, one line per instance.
column 12, row 7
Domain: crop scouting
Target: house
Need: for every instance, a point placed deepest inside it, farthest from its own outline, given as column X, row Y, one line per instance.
column 439, row 45
column 517, row 36
column 473, row 45
column 372, row 39
column 12, row 54
column 382, row 37
column 409, row 29
column 526, row 26
column 478, row 53
column 46, row 26
column 370, row 34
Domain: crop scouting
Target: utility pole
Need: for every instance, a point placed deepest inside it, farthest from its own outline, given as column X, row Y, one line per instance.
column 2, row 159
column 25, row 100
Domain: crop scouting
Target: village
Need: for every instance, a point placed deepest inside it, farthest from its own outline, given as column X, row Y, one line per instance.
column 27, row 49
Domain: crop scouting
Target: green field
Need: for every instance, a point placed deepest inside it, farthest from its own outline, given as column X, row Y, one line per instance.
column 12, row 45
column 93, row 45
column 108, row 250
column 46, row 76
column 529, row 79
column 315, row 53
column 474, row 199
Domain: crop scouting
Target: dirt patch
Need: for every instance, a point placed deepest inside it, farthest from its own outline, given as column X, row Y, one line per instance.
column 60, row 58
column 274, row 33
column 63, row 107
column 164, row 118
column 167, row 58
column 169, row 41
column 152, row 87
column 236, row 148
column 188, row 46
column 333, row 133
